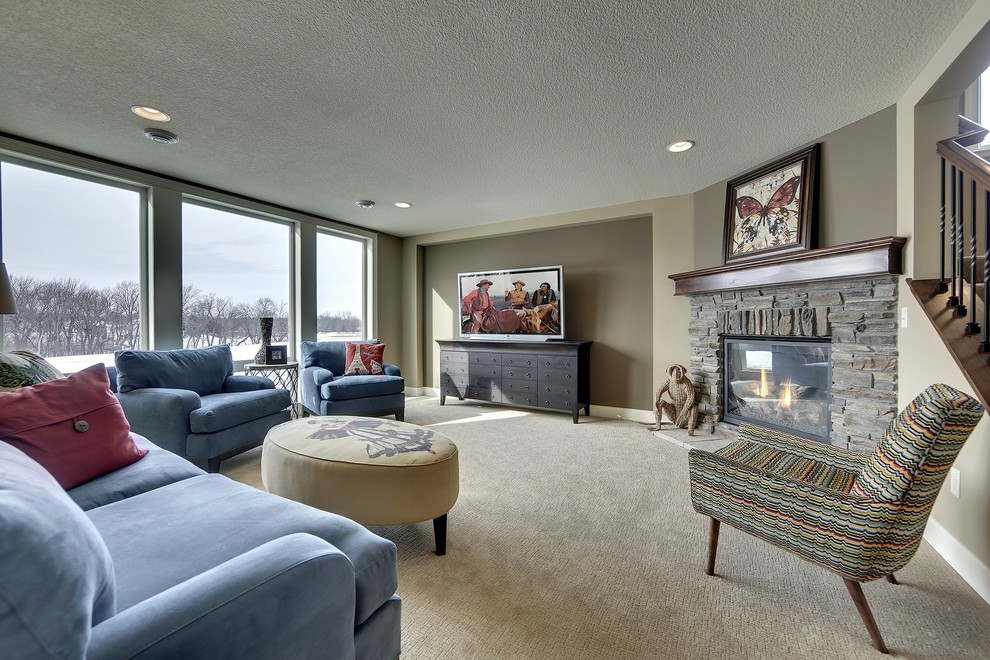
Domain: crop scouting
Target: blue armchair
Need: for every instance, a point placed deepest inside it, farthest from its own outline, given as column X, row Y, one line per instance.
column 189, row 402
column 327, row 391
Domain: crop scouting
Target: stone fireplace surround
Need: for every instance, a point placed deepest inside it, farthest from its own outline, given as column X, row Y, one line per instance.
column 858, row 314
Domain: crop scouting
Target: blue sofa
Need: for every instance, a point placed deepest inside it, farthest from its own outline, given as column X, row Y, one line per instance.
column 189, row 402
column 161, row 560
column 325, row 390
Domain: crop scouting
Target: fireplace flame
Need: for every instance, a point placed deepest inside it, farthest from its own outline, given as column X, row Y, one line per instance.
column 786, row 399
column 762, row 390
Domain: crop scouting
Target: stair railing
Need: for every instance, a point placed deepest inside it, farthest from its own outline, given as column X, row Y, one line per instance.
column 964, row 163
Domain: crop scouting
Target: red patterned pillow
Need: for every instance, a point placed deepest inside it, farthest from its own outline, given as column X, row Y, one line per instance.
column 74, row 426
column 363, row 359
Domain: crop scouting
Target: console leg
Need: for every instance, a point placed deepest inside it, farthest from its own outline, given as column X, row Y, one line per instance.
column 440, row 534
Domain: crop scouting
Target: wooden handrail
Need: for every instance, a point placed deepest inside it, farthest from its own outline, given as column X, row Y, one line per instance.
column 954, row 151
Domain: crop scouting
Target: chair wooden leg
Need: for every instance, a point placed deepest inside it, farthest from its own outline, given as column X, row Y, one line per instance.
column 712, row 546
column 856, row 591
column 892, row 579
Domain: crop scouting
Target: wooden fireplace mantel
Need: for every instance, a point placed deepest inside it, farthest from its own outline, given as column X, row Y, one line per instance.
column 879, row 256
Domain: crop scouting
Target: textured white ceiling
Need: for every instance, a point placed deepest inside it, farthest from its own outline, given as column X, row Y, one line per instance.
column 474, row 111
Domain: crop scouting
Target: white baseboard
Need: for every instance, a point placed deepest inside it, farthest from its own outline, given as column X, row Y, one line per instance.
column 970, row 568
column 632, row 414
column 644, row 416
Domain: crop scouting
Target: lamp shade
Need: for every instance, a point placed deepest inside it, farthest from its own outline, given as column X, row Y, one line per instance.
column 7, row 304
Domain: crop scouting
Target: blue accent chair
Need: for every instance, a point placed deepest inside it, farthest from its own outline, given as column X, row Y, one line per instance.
column 325, row 390
column 189, row 402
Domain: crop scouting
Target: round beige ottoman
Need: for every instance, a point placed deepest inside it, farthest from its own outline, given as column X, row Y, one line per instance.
column 372, row 470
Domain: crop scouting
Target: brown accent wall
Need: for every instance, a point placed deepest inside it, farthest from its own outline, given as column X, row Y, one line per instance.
column 608, row 274
column 856, row 194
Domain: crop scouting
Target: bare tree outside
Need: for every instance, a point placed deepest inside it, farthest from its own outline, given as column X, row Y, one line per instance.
column 67, row 317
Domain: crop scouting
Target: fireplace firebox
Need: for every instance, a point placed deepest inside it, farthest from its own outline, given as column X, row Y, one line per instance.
column 778, row 382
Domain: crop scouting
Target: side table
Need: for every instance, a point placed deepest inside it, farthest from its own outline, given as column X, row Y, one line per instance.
column 285, row 376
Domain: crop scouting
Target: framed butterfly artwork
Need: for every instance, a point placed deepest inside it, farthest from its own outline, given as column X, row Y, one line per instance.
column 772, row 210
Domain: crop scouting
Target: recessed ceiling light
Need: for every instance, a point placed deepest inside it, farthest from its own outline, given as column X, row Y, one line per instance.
column 365, row 203
column 153, row 114
column 680, row 145
column 403, row 205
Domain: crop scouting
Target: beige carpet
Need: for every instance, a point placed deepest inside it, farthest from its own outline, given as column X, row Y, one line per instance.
column 579, row 541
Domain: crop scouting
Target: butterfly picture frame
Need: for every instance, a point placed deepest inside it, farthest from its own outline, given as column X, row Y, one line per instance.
column 772, row 210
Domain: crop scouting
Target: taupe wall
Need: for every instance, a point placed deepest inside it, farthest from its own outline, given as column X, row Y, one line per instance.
column 857, row 190
column 388, row 295
column 608, row 274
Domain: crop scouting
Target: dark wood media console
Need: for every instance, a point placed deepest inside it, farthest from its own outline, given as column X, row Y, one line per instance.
column 555, row 375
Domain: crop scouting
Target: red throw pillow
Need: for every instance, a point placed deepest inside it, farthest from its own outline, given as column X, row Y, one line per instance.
column 363, row 358
column 72, row 426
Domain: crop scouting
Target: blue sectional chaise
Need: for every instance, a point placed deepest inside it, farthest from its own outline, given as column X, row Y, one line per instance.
column 162, row 560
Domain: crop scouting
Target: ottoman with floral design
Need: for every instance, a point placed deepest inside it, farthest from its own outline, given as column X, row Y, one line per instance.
column 372, row 470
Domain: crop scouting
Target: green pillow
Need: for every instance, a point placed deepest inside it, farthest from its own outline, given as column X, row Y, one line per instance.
column 20, row 368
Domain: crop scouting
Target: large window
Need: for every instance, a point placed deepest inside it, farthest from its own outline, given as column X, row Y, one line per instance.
column 236, row 268
column 72, row 246
column 340, row 287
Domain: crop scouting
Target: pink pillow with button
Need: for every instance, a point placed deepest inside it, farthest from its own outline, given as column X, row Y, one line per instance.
column 73, row 426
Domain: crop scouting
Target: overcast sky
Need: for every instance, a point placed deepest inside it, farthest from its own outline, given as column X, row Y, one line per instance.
column 57, row 226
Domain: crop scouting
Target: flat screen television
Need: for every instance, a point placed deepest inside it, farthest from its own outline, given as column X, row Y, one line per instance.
column 512, row 304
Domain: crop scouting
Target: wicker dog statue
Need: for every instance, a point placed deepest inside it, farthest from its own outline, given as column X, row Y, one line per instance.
column 683, row 412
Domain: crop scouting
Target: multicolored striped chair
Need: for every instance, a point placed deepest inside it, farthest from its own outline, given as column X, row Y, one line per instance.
column 859, row 515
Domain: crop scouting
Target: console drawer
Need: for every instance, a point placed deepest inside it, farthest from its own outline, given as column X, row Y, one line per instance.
column 453, row 390
column 492, row 372
column 547, row 390
column 453, row 356
column 457, row 380
column 485, row 358
column 524, row 386
column 455, row 368
column 517, row 360
column 558, row 376
column 521, row 398
column 483, row 393
column 519, row 373
column 558, row 402
column 558, row 362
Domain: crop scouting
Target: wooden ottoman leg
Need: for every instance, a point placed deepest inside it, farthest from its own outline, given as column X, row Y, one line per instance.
column 440, row 533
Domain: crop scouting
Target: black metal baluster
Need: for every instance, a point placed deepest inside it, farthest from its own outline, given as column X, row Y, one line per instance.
column 972, row 327
column 985, row 344
column 953, row 298
column 960, row 250
column 942, row 286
